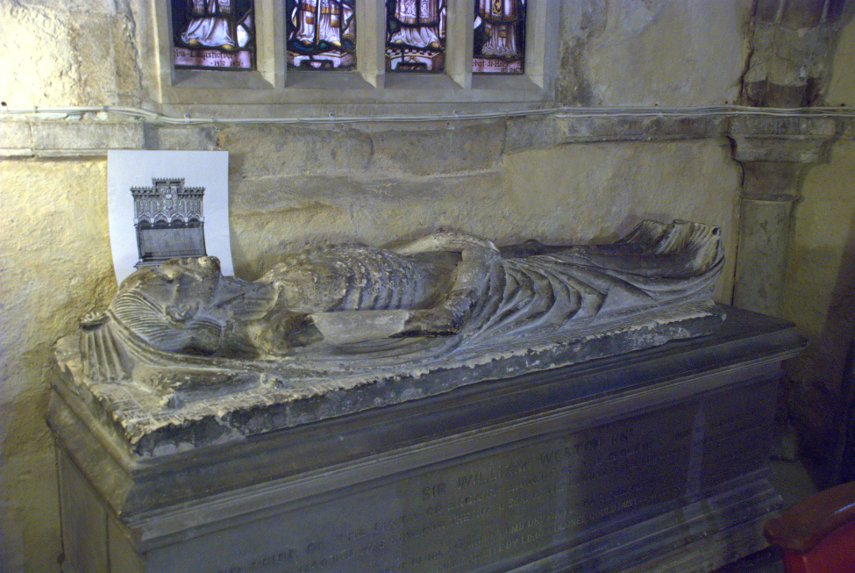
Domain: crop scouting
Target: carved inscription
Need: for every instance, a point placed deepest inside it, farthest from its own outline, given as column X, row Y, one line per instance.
column 241, row 59
column 529, row 498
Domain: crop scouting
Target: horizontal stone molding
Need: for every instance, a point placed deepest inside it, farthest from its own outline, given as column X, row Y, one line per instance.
column 67, row 138
column 760, row 134
column 528, row 133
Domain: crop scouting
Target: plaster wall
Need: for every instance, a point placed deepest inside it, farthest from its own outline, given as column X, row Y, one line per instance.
column 291, row 186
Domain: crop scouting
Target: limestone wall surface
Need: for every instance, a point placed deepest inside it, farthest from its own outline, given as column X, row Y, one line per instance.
column 841, row 85
column 822, row 263
column 820, row 292
column 553, row 178
column 627, row 52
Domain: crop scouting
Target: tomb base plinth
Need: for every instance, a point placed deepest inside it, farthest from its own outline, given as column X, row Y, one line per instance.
column 654, row 460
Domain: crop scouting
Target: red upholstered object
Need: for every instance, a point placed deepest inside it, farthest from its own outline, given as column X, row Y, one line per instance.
column 818, row 534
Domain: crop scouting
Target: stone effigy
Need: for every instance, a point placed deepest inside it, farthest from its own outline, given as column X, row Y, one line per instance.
column 350, row 327
column 442, row 405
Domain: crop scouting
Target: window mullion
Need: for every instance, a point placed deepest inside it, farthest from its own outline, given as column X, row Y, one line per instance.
column 461, row 14
column 370, row 40
column 270, row 31
column 539, row 28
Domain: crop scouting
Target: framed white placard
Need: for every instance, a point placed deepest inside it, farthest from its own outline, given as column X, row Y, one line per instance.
column 167, row 204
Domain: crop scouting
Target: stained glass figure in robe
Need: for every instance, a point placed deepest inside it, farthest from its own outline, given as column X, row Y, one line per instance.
column 321, row 34
column 499, row 39
column 213, row 34
column 415, row 35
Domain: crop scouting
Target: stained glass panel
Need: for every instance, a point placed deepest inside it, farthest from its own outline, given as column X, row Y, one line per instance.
column 499, row 37
column 213, row 34
column 415, row 35
column 321, row 34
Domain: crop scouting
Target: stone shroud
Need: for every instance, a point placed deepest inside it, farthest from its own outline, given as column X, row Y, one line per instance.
column 529, row 308
column 397, row 488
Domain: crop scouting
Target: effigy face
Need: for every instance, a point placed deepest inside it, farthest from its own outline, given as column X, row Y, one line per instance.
column 181, row 306
column 349, row 316
column 182, row 281
column 183, row 290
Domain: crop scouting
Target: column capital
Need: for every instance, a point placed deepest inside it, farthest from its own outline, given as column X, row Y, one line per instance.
column 778, row 140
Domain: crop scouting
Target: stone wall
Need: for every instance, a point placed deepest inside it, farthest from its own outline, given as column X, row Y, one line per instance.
column 55, row 260
column 630, row 52
column 820, row 291
column 554, row 177
column 822, row 263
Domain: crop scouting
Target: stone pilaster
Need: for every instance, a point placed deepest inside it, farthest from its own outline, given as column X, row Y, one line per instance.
column 775, row 153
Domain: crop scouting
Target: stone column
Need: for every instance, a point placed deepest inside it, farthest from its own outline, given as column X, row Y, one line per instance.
column 775, row 153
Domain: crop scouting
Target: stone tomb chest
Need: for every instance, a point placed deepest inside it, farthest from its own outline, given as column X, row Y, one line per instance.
column 416, row 442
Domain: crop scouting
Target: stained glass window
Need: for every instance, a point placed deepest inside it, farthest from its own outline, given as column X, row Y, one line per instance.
column 321, row 34
column 415, row 35
column 213, row 34
column 499, row 37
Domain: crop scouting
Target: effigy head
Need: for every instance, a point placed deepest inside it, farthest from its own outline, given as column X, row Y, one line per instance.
column 172, row 307
column 177, row 285
column 183, row 307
